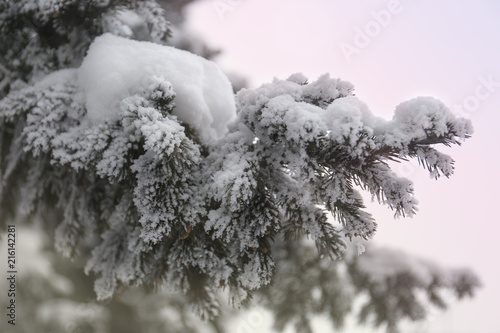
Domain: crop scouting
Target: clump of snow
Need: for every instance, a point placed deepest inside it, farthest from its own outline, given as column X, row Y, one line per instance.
column 298, row 78
column 116, row 67
column 416, row 118
column 381, row 263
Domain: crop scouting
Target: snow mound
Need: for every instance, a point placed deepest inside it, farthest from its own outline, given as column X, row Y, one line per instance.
column 115, row 67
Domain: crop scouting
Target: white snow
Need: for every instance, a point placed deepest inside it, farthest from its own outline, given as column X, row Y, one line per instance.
column 416, row 118
column 381, row 263
column 115, row 67
column 58, row 77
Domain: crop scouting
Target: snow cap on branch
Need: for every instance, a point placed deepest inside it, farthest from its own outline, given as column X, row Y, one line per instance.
column 115, row 66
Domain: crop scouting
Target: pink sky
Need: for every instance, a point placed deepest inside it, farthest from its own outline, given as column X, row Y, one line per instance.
column 447, row 49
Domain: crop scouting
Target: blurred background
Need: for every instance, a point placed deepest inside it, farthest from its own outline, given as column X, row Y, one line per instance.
column 391, row 51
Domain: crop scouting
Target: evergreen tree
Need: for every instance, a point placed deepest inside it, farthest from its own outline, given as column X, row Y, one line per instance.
column 138, row 160
column 38, row 38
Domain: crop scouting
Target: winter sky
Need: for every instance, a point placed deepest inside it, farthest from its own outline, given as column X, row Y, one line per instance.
column 393, row 51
